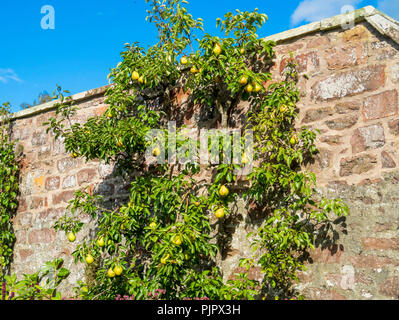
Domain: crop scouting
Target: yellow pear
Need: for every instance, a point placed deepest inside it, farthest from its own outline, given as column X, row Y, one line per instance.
column 183, row 60
column 223, row 191
column 249, row 88
column 71, row 237
column 177, row 240
column 118, row 270
column 153, row 225
column 193, row 69
column 156, row 152
column 243, row 80
column 100, row 242
column 111, row 273
column 219, row 213
column 89, row 259
column 244, row 159
column 135, row 75
column 257, row 87
column 217, row 49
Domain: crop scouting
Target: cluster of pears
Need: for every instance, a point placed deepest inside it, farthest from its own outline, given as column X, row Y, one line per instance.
column 136, row 77
column 223, row 192
column 250, row 87
column 116, row 271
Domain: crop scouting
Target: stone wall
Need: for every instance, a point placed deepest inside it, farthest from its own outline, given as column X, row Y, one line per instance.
column 350, row 94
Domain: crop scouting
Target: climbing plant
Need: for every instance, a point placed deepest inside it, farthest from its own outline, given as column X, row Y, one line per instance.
column 8, row 190
column 167, row 237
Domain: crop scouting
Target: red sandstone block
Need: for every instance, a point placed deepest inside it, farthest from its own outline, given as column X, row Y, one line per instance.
column 371, row 261
column 86, row 175
column 390, row 287
column 349, row 83
column 41, row 236
column 380, row 243
column 344, row 57
column 52, row 183
column 381, row 105
column 333, row 255
column 24, row 254
column 38, row 202
column 305, row 62
column 64, row 196
column 369, row 137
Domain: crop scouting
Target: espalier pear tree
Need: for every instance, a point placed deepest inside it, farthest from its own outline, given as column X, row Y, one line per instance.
column 162, row 240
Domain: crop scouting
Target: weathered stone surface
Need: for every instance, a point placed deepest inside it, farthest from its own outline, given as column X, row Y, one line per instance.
column 387, row 161
column 371, row 261
column 52, row 183
column 349, row 83
column 105, row 170
column 380, row 243
column 61, row 197
column 394, row 126
column 332, row 255
column 390, row 287
column 64, row 165
column 357, row 165
column 69, row 182
column 39, row 138
column 305, row 62
column 41, row 236
column 331, row 139
column 24, row 254
column 370, row 137
column 357, row 33
column 343, row 57
column 317, row 114
column 395, row 73
column 342, row 122
column 381, row 105
column 106, row 189
column 38, row 202
column 347, row 107
column 86, row 175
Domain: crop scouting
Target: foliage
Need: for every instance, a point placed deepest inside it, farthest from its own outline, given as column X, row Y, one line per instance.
column 43, row 97
column 41, row 285
column 163, row 237
column 8, row 190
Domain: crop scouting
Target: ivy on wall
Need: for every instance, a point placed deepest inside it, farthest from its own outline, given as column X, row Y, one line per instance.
column 8, row 190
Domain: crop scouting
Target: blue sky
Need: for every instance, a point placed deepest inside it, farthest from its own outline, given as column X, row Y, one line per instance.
column 89, row 35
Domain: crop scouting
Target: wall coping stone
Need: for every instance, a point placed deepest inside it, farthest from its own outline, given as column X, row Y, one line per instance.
column 380, row 21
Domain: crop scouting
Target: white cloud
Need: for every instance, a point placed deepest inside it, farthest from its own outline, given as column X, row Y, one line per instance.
column 390, row 7
column 316, row 10
column 8, row 74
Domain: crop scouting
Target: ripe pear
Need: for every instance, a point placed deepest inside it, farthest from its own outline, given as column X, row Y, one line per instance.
column 156, row 152
column 243, row 80
column 217, row 49
column 71, row 237
column 219, row 213
column 223, row 191
column 249, row 88
column 183, row 60
column 135, row 75
column 111, row 273
column 118, row 270
column 89, row 259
